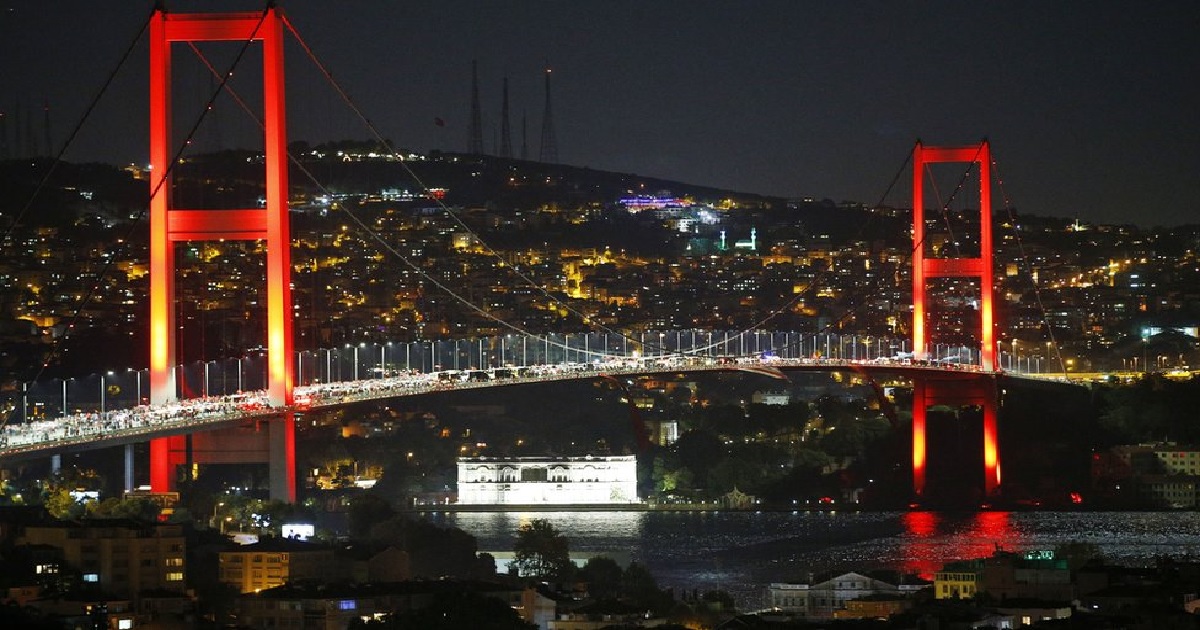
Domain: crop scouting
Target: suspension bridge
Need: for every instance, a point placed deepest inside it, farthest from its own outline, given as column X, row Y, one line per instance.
column 192, row 416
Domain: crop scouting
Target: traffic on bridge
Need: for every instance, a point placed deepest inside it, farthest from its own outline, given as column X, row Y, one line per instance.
column 461, row 365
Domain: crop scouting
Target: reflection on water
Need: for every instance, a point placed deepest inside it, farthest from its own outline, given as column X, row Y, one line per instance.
column 930, row 539
column 741, row 552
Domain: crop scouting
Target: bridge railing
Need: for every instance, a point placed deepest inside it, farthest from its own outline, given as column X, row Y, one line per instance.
column 124, row 389
column 193, row 414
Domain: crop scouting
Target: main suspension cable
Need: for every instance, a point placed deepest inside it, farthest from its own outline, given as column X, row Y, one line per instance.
column 1037, row 290
column 155, row 190
column 87, row 112
column 375, row 235
column 379, row 137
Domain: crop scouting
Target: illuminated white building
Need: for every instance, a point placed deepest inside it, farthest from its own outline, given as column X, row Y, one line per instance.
column 547, row 480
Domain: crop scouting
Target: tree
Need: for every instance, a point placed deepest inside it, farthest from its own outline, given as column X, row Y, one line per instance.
column 542, row 552
column 699, row 451
column 603, row 576
column 641, row 589
column 739, row 473
column 365, row 511
column 433, row 551
column 61, row 505
column 136, row 508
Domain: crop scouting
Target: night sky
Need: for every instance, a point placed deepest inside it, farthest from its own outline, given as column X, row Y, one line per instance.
column 1093, row 109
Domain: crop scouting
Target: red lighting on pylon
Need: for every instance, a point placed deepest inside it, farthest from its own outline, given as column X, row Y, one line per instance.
column 932, row 390
column 170, row 225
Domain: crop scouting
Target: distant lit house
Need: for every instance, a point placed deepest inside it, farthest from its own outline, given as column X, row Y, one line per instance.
column 341, row 604
column 958, row 580
column 119, row 556
column 547, row 480
column 830, row 598
column 276, row 561
column 771, row 397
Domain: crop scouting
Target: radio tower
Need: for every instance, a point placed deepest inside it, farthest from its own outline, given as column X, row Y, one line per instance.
column 549, row 145
column 524, row 138
column 505, row 135
column 3, row 136
column 475, row 139
column 46, row 122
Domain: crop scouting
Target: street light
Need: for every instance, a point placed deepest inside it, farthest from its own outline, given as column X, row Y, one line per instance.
column 215, row 508
column 137, row 375
column 357, row 359
column 103, row 387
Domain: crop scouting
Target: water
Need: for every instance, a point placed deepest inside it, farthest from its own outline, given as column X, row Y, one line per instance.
column 742, row 552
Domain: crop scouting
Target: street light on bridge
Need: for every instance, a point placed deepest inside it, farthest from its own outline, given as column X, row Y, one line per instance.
column 103, row 388
column 137, row 375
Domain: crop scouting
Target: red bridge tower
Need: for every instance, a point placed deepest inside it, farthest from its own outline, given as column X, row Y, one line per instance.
column 955, row 389
column 170, row 225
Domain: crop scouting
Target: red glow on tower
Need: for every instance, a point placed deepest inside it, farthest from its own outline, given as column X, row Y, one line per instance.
column 170, row 225
column 930, row 390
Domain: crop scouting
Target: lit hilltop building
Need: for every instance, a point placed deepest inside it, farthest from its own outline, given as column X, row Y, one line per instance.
column 547, row 480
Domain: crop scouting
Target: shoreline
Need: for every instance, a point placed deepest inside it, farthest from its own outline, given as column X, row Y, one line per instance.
column 700, row 507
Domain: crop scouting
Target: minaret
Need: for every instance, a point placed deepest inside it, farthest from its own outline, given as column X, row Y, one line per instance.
column 549, row 144
column 475, row 133
column 505, row 133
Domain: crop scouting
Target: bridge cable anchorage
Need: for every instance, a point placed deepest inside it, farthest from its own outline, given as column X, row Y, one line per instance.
column 112, row 255
column 87, row 112
column 1037, row 289
column 379, row 137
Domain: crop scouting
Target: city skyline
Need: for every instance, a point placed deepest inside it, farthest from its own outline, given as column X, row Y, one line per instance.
column 1089, row 112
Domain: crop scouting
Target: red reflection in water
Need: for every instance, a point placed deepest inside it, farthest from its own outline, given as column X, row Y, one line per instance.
column 931, row 539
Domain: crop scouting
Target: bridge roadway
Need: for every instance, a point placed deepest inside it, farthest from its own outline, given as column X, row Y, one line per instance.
column 88, row 431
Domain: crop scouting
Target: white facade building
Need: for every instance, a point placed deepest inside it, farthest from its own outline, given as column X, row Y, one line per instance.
column 762, row 397
column 823, row 599
column 547, row 480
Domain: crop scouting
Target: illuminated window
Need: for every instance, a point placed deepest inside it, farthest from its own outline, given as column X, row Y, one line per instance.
column 175, row 577
column 91, row 577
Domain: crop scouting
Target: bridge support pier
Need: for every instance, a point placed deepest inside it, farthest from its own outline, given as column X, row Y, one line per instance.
column 282, row 438
column 978, row 390
column 129, row 484
column 271, row 441
column 955, row 390
column 55, row 464
column 170, row 225
column 167, row 454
